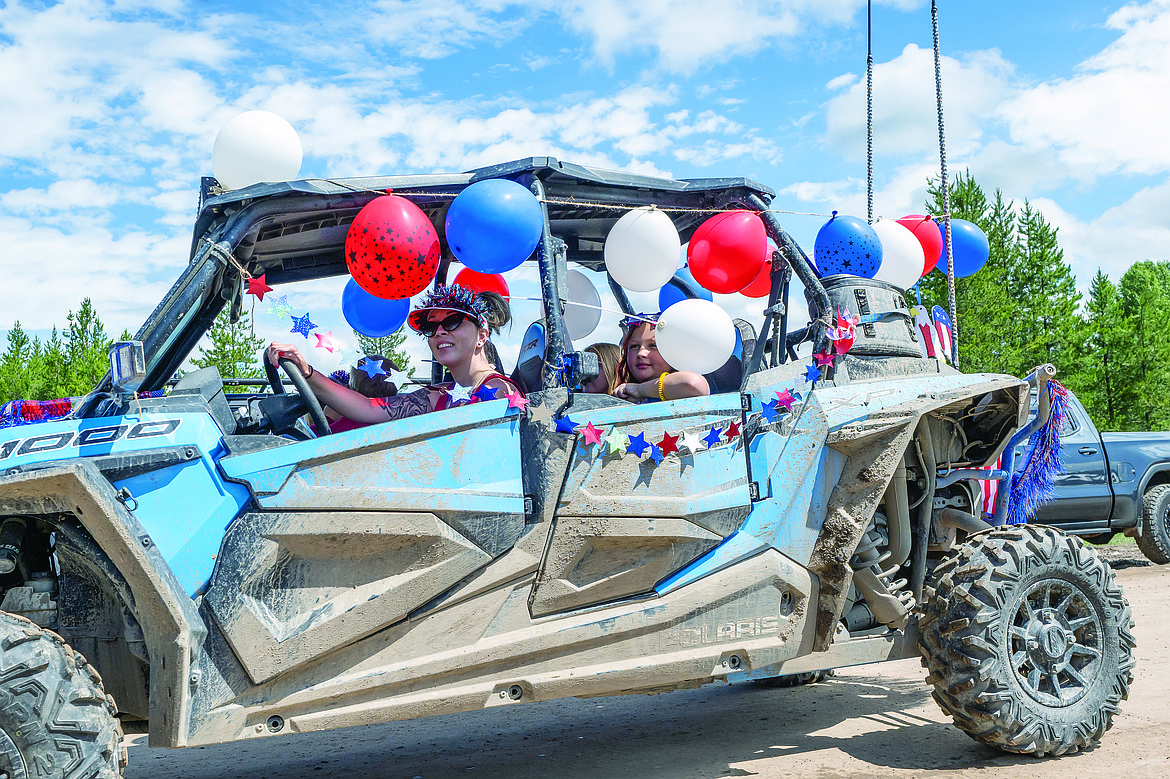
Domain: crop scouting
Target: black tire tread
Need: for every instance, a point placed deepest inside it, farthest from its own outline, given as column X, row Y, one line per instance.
column 73, row 727
column 1154, row 541
column 960, row 627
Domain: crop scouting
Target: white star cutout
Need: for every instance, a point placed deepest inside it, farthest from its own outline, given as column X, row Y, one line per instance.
column 542, row 414
column 459, row 392
column 690, row 440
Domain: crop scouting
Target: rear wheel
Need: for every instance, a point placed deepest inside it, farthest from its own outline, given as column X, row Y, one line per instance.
column 55, row 718
column 1155, row 538
column 1028, row 640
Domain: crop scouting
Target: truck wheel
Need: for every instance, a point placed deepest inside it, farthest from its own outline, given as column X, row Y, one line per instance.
column 1028, row 640
column 55, row 718
column 1155, row 538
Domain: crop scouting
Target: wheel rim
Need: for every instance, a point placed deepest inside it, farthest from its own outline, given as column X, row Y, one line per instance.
column 1056, row 643
column 11, row 764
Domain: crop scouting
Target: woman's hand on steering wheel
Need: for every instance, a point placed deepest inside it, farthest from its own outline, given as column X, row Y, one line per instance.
column 289, row 352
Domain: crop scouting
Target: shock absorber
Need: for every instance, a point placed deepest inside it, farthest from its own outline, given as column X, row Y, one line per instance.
column 12, row 533
column 888, row 599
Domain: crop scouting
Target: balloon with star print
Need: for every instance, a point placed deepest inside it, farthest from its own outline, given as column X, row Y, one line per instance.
column 392, row 248
column 846, row 244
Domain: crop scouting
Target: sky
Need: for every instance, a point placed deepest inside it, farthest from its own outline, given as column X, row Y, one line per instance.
column 112, row 107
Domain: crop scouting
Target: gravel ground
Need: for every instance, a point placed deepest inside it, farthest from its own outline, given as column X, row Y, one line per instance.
column 1124, row 555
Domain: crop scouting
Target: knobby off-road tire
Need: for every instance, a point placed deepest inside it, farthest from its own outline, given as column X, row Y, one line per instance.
column 1028, row 640
column 55, row 718
column 1155, row 538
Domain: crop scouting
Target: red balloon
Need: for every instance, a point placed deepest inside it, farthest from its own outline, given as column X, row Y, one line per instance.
column 762, row 285
column 926, row 231
column 392, row 249
column 482, row 282
column 727, row 251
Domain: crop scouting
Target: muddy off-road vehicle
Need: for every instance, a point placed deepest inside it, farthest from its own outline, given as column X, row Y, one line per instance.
column 195, row 561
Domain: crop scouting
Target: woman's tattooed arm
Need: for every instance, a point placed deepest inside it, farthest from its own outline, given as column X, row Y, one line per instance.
column 409, row 405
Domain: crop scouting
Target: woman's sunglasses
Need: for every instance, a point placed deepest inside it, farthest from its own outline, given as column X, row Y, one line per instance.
column 449, row 323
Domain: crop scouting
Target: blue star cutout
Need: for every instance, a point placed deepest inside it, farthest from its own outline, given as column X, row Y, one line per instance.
column 714, row 436
column 372, row 368
column 566, row 425
column 655, row 453
column 811, row 373
column 485, row 393
column 637, row 445
column 302, row 325
column 769, row 412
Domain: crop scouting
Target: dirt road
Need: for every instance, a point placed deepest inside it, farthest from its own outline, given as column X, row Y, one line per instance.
column 877, row 721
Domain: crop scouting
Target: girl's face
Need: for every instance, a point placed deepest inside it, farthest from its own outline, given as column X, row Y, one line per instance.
column 454, row 344
column 642, row 358
column 598, row 383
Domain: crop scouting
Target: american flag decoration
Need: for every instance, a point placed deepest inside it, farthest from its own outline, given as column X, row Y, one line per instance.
column 925, row 331
column 942, row 331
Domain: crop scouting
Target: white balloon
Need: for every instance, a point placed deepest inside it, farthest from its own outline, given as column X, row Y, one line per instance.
column 695, row 335
column 255, row 146
column 902, row 258
column 642, row 249
column 583, row 309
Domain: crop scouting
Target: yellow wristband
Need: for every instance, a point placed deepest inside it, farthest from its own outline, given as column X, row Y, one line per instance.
column 661, row 379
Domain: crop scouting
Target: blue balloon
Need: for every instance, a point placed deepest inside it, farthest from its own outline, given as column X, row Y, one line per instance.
column 846, row 244
column 969, row 247
column 494, row 225
column 669, row 294
column 371, row 315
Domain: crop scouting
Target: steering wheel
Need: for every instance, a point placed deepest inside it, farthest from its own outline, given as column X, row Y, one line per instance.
column 302, row 384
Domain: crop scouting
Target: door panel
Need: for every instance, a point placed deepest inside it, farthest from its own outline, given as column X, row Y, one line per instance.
column 356, row 530
column 1083, row 491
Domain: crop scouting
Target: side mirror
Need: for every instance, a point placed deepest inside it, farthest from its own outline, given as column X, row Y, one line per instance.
column 127, row 366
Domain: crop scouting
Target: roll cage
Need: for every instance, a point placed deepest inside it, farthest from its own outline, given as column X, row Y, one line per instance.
column 295, row 231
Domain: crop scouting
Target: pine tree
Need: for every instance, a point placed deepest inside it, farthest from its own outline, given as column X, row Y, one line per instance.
column 1045, row 291
column 234, row 349
column 1098, row 384
column 983, row 311
column 14, row 375
column 86, row 350
column 1145, row 302
column 388, row 346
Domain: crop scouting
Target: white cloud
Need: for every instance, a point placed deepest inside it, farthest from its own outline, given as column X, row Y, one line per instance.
column 693, row 35
column 1112, row 115
column 905, row 111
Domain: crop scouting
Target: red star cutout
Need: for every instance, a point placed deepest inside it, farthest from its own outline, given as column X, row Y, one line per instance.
column 326, row 341
column 516, row 400
column 785, row 399
column 668, row 444
column 823, row 359
column 592, row 434
column 257, row 287
column 732, row 431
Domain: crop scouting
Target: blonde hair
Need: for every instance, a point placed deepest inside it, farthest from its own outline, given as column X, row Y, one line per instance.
column 609, row 356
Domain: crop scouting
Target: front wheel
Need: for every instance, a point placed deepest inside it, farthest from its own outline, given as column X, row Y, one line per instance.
column 1028, row 640
column 55, row 718
column 1154, row 540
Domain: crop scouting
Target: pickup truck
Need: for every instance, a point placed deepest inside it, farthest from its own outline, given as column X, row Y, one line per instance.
column 1112, row 483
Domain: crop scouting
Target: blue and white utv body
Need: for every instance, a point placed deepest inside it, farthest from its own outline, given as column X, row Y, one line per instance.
column 229, row 581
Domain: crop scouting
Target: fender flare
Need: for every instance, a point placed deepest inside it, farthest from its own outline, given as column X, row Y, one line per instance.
column 170, row 622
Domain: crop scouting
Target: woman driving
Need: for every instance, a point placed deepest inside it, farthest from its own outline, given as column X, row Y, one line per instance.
column 456, row 323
